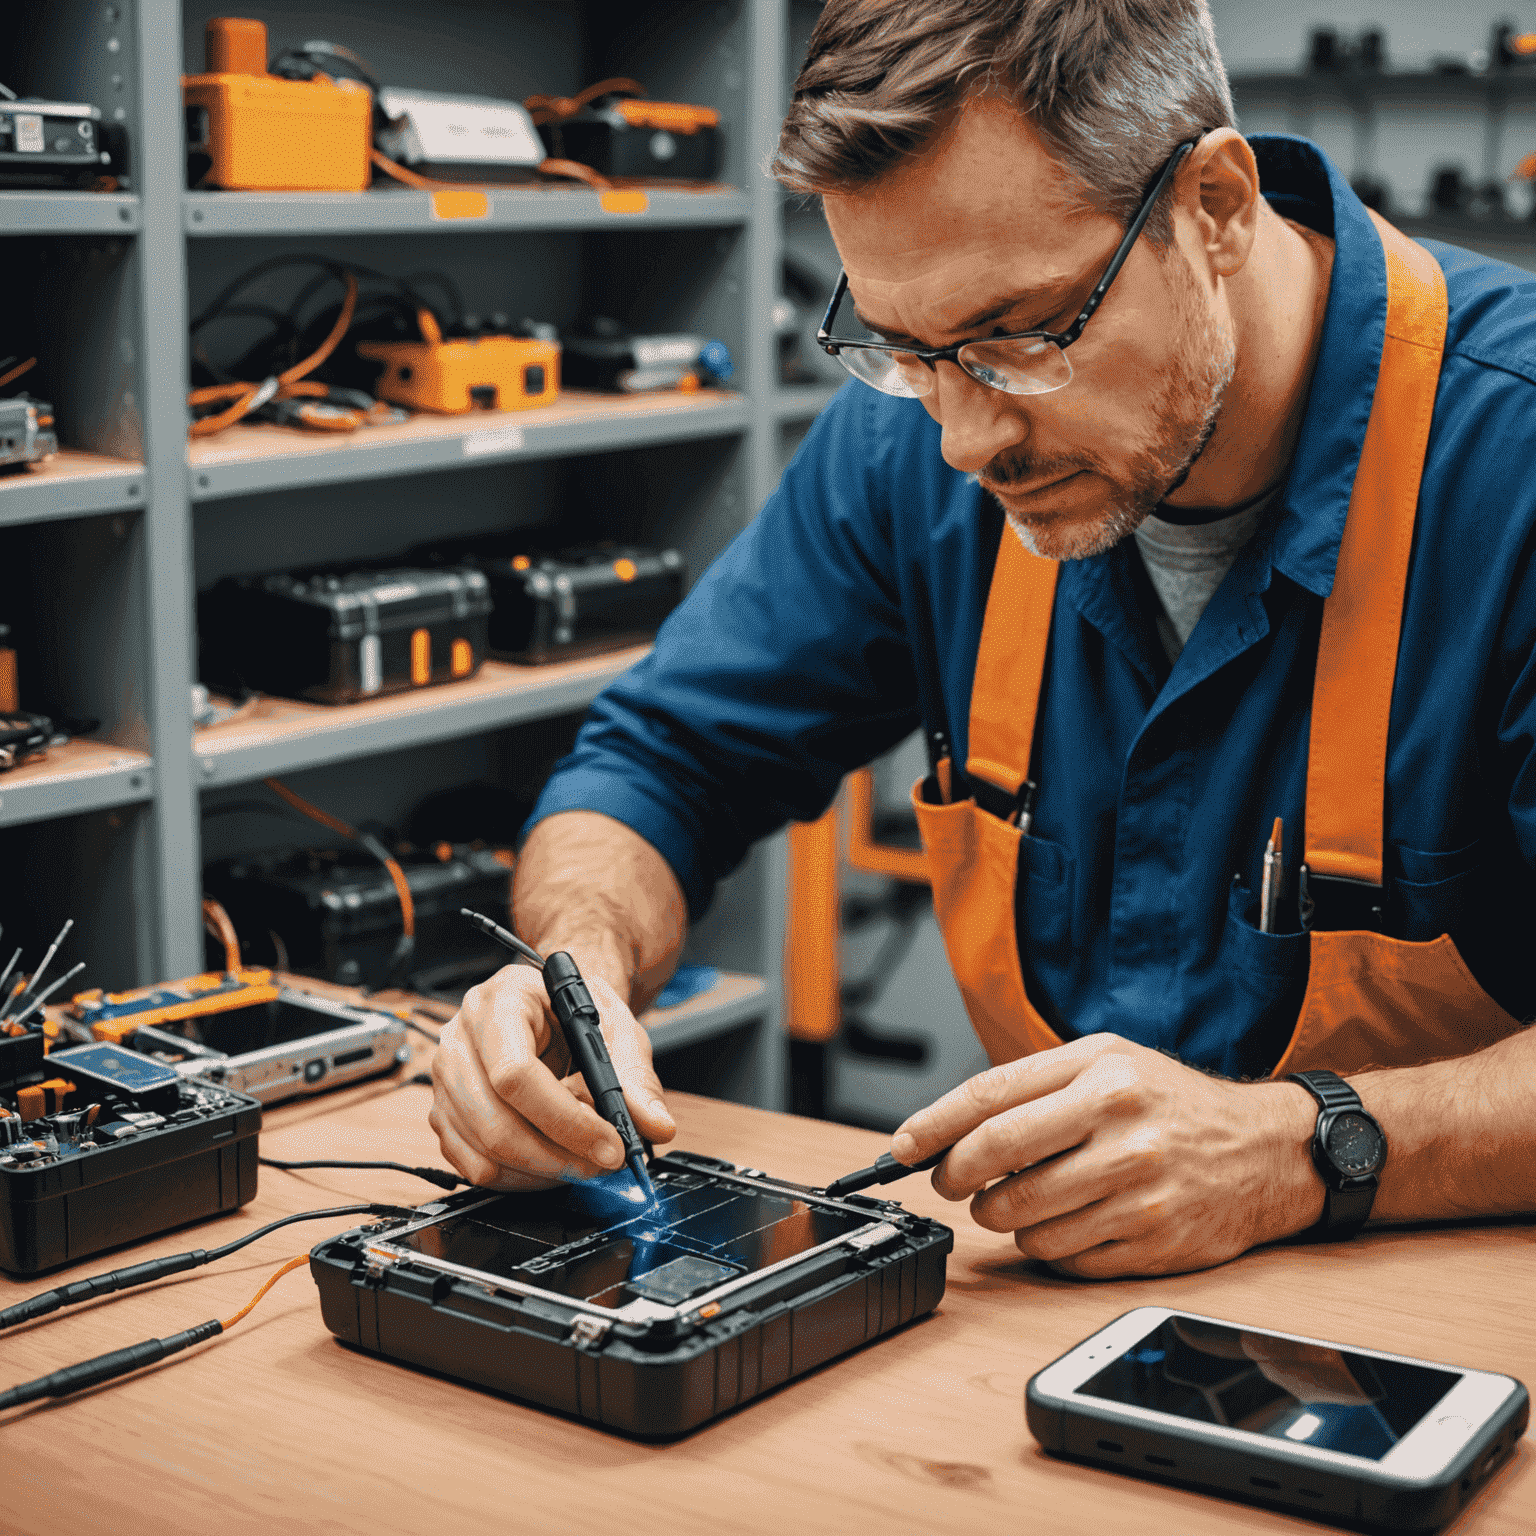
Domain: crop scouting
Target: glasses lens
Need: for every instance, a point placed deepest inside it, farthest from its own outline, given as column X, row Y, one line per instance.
column 892, row 373
column 1026, row 365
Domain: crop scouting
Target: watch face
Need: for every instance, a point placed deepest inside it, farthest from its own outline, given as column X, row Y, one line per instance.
column 1354, row 1144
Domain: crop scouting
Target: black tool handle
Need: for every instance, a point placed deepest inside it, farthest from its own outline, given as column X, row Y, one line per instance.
column 890, row 1169
column 100, row 1285
column 577, row 1013
column 104, row 1367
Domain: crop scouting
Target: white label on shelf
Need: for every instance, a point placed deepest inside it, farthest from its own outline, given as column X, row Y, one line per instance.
column 29, row 133
column 502, row 440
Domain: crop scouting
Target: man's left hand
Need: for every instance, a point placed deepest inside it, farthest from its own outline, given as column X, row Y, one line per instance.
column 1106, row 1158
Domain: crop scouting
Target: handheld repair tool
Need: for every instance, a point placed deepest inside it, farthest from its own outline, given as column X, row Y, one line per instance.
column 577, row 1013
column 884, row 1170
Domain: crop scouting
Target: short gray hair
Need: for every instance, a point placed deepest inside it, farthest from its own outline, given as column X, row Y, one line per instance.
column 1114, row 87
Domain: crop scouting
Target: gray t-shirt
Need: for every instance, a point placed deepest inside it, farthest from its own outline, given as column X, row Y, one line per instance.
column 1188, row 561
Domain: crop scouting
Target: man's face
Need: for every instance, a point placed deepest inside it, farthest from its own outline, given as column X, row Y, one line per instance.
column 982, row 236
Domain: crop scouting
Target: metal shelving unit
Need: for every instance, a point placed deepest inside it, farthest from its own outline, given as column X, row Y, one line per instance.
column 68, row 213
column 110, row 544
column 245, row 459
column 404, row 212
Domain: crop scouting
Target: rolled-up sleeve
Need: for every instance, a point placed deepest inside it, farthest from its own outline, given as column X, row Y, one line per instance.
column 786, row 666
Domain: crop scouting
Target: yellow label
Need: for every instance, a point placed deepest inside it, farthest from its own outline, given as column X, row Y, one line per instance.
column 457, row 204
column 624, row 202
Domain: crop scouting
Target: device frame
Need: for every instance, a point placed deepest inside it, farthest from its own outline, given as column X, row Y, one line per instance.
column 1381, row 1490
column 646, row 1369
column 876, row 1229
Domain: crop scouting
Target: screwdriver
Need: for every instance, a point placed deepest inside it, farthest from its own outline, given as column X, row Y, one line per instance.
column 577, row 1015
column 884, row 1170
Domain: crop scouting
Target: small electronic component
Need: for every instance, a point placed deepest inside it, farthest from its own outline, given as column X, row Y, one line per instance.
column 249, row 130
column 27, row 435
column 111, row 1016
column 337, row 638
column 459, row 138
column 602, row 354
column 614, row 128
column 57, row 144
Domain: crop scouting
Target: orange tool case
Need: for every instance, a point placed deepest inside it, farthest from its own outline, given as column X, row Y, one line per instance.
column 488, row 373
column 262, row 133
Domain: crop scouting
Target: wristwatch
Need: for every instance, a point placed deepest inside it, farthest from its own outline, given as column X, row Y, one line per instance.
column 1349, row 1150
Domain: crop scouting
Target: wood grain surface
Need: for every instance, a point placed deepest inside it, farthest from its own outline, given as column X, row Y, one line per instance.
column 276, row 1427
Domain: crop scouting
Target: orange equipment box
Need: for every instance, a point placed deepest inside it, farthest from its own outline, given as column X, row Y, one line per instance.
column 266, row 134
column 486, row 373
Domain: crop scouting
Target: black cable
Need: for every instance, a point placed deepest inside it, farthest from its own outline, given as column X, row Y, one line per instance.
column 119, row 1362
column 439, row 1176
column 173, row 1264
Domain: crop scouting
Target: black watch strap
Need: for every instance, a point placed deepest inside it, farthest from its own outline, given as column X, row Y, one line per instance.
column 1347, row 1202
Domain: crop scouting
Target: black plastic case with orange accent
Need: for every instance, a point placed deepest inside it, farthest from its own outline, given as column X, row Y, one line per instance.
column 647, row 1324
column 556, row 604
column 337, row 638
column 159, row 1153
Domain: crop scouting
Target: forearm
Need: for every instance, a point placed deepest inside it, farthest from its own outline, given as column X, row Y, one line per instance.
column 1461, row 1134
column 590, row 885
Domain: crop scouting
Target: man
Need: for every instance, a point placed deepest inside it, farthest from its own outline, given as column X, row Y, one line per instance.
column 1185, row 498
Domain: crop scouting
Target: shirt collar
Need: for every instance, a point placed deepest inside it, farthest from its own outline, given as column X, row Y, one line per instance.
column 1302, row 184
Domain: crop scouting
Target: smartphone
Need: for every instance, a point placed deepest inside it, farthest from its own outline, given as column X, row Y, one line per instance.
column 1348, row 1433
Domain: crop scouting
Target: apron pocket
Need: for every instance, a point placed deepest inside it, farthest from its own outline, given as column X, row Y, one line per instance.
column 1268, row 975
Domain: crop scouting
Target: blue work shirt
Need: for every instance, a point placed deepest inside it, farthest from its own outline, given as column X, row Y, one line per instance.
column 850, row 612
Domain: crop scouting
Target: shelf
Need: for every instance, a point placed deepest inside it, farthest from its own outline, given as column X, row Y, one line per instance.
column 400, row 211
column 68, row 213
column 71, row 484
column 800, row 402
column 80, row 776
column 1405, row 85
column 285, row 735
column 248, row 459
column 734, row 999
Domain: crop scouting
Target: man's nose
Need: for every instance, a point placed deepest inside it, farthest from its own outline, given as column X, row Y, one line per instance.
column 979, row 422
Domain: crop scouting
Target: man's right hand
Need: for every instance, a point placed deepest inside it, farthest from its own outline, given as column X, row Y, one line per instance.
column 508, row 1110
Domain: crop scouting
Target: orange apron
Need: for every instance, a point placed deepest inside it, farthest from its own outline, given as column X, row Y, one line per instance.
column 1370, row 1000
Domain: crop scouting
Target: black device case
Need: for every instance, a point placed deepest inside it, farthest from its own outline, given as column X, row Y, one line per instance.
column 602, row 138
column 338, row 638
column 656, row 1381
column 338, row 914
column 557, row 604
column 199, row 1161
column 1096, row 1432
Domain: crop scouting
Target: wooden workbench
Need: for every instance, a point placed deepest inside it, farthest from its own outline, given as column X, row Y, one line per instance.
column 275, row 1427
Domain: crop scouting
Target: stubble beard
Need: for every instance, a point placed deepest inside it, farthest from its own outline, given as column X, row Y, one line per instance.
column 1185, row 414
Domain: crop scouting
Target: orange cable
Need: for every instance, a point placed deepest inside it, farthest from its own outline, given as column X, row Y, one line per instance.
column 550, row 109
column 572, row 170
column 292, row 1264
column 288, row 381
column 217, row 921
column 336, row 824
column 17, row 371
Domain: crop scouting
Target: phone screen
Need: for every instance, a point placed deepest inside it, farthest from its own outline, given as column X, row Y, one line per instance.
column 1312, row 1394
column 598, row 1242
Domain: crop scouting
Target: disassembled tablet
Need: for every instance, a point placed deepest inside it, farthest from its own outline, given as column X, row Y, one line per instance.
column 649, row 1321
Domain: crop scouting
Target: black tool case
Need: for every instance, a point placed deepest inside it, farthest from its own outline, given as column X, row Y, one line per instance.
column 667, row 1373
column 153, row 1160
column 605, row 138
column 558, row 604
column 337, row 913
column 338, row 638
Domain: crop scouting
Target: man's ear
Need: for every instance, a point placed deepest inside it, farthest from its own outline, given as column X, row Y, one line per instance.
column 1219, row 186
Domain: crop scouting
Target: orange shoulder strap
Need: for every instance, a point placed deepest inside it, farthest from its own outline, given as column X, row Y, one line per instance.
column 1362, row 617
column 1005, row 695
